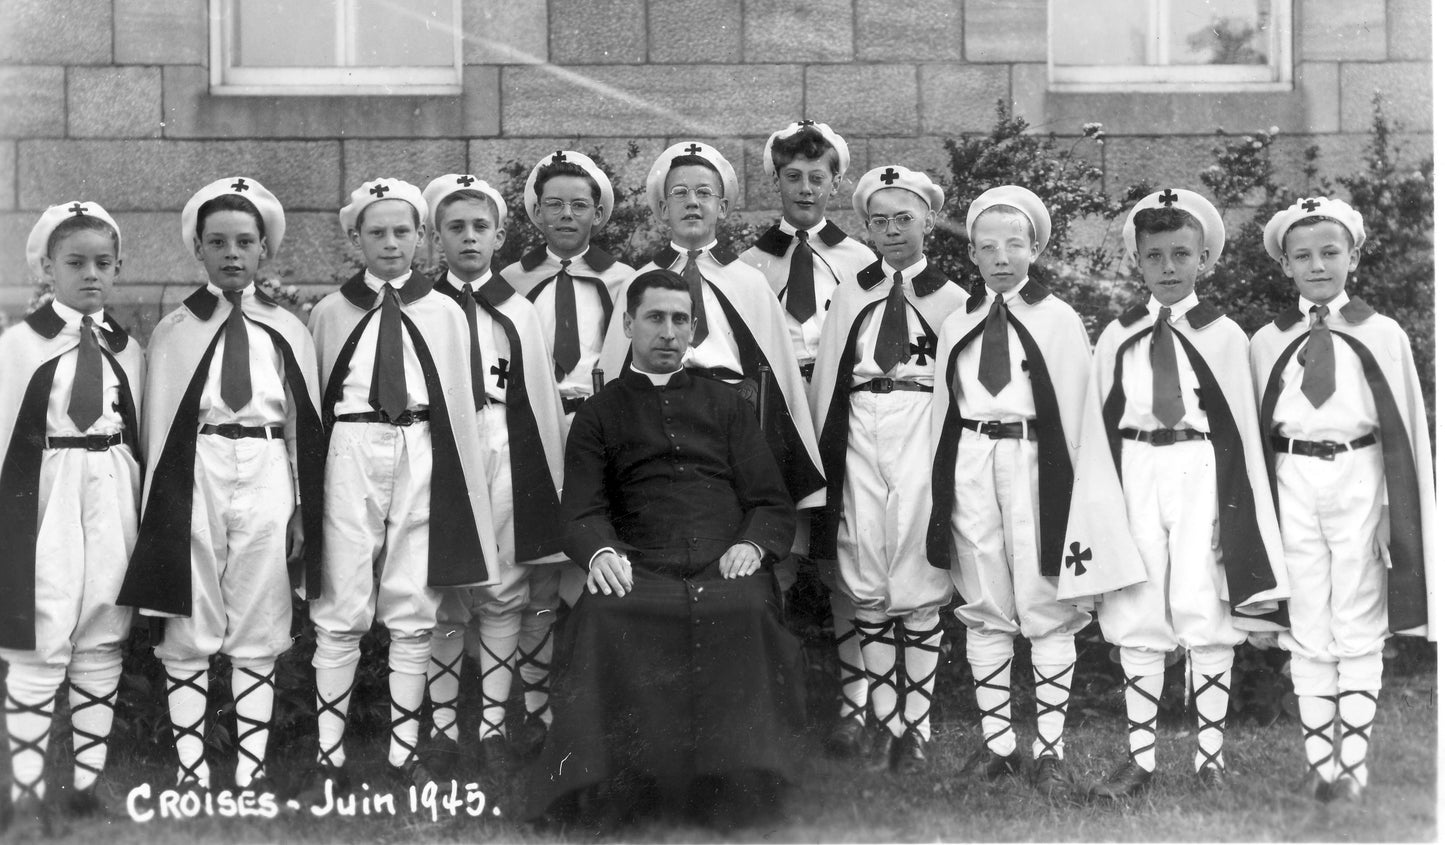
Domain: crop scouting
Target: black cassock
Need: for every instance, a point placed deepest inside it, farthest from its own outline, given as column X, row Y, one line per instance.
column 689, row 675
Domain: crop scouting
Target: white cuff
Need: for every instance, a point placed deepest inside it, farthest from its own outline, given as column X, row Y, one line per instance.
column 596, row 554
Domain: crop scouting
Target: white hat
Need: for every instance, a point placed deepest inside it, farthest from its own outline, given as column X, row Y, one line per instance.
column 248, row 189
column 657, row 176
column 895, row 176
column 1019, row 198
column 1337, row 210
column 833, row 138
column 604, row 186
column 1190, row 203
column 55, row 215
column 377, row 190
column 442, row 187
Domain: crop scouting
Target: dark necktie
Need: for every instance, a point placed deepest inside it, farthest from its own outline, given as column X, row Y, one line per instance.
column 1168, row 396
column 389, row 378
column 892, row 344
column 1318, row 358
column 566, row 345
column 802, row 296
column 479, row 385
column 236, row 361
column 86, row 391
column 993, row 362
column 693, row 277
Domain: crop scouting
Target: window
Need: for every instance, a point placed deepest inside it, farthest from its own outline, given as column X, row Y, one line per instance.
column 336, row 47
column 1146, row 45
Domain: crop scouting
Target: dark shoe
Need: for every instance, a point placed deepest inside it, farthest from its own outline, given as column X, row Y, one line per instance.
column 262, row 784
column 101, row 798
column 191, row 786
column 310, row 789
column 846, row 740
column 1347, row 790
column 1127, row 780
column 990, row 766
column 1049, row 777
column 1315, row 786
column 494, row 757
column 879, row 752
column 1211, row 777
column 411, row 773
column 909, row 753
column 441, row 754
column 530, row 736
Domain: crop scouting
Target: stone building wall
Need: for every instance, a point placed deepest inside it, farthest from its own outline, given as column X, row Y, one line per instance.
column 110, row 100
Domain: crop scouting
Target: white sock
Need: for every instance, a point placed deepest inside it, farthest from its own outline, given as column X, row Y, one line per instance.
column 1141, row 706
column 1317, row 723
column 991, row 691
column 1357, row 719
column 1052, row 687
column 921, row 648
column 254, row 688
column 186, row 685
column 29, row 708
column 879, row 650
column 853, row 680
column 534, row 662
column 94, row 679
column 443, row 677
column 407, row 692
column 498, row 650
column 333, row 699
column 1211, row 708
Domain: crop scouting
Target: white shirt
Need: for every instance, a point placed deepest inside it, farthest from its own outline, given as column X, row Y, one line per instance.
column 1138, row 376
column 591, row 327
column 915, row 366
column 1016, row 400
column 719, row 348
column 268, row 388
column 805, row 335
column 356, row 389
column 57, row 412
column 492, row 341
column 1350, row 411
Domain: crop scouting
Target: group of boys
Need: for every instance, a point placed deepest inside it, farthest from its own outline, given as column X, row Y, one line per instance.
column 401, row 462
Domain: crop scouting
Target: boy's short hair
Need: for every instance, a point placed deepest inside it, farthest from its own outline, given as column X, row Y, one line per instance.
column 1154, row 220
column 807, row 143
column 415, row 215
column 1315, row 220
column 565, row 168
column 80, row 223
column 1006, row 211
column 228, row 202
column 457, row 196
column 698, row 161
column 660, row 278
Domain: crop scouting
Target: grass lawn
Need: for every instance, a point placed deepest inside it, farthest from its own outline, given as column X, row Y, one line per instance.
column 839, row 802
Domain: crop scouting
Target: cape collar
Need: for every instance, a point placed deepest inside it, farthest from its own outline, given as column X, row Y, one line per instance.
column 1032, row 293
column 48, row 324
column 358, row 293
column 1356, row 311
column 667, row 255
column 595, row 257
column 775, row 241
column 495, row 290
column 1197, row 317
column 925, row 283
column 202, row 302
column 639, row 380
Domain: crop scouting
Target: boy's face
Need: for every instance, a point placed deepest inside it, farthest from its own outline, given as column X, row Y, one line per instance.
column 1319, row 258
column 1171, row 262
column 231, row 248
column 468, row 235
column 693, row 219
column 387, row 236
column 899, row 220
column 82, row 268
column 568, row 214
column 661, row 330
column 1002, row 245
column 805, row 185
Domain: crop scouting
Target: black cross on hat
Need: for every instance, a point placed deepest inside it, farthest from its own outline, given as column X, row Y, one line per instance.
column 1168, row 198
column 1310, row 205
column 890, row 176
column 76, row 209
column 559, row 157
column 466, row 180
column 379, row 190
column 692, row 149
column 240, row 185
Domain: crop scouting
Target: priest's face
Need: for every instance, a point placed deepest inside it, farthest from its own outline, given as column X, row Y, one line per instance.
column 231, row 248
column 1171, row 262
column 1319, row 257
column 660, row 329
column 692, row 204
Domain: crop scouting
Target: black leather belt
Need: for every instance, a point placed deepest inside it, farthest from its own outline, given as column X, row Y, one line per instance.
column 89, row 442
column 1163, row 436
column 570, row 404
column 235, row 431
column 998, row 430
column 1322, row 449
column 406, row 418
column 888, row 385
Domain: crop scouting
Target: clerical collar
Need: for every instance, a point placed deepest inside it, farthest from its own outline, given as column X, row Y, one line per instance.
column 73, row 317
column 375, row 282
column 909, row 273
column 657, row 379
column 456, row 281
column 248, row 290
column 1177, row 310
column 792, row 231
column 682, row 250
column 1335, row 305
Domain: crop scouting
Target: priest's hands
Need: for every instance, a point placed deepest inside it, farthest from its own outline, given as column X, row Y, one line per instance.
column 740, row 559
column 610, row 573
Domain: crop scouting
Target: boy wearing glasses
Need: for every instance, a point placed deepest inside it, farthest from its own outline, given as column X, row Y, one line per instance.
column 740, row 323
column 870, row 397
column 573, row 283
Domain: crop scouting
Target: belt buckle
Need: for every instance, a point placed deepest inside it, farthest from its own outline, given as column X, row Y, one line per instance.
column 1327, row 449
column 404, row 418
column 97, row 443
column 991, row 429
column 883, row 385
column 1163, row 437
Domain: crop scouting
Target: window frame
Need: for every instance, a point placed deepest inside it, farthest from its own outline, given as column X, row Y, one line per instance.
column 1274, row 75
column 338, row 80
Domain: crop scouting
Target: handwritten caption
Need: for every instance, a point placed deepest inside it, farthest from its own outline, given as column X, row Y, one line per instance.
column 449, row 799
